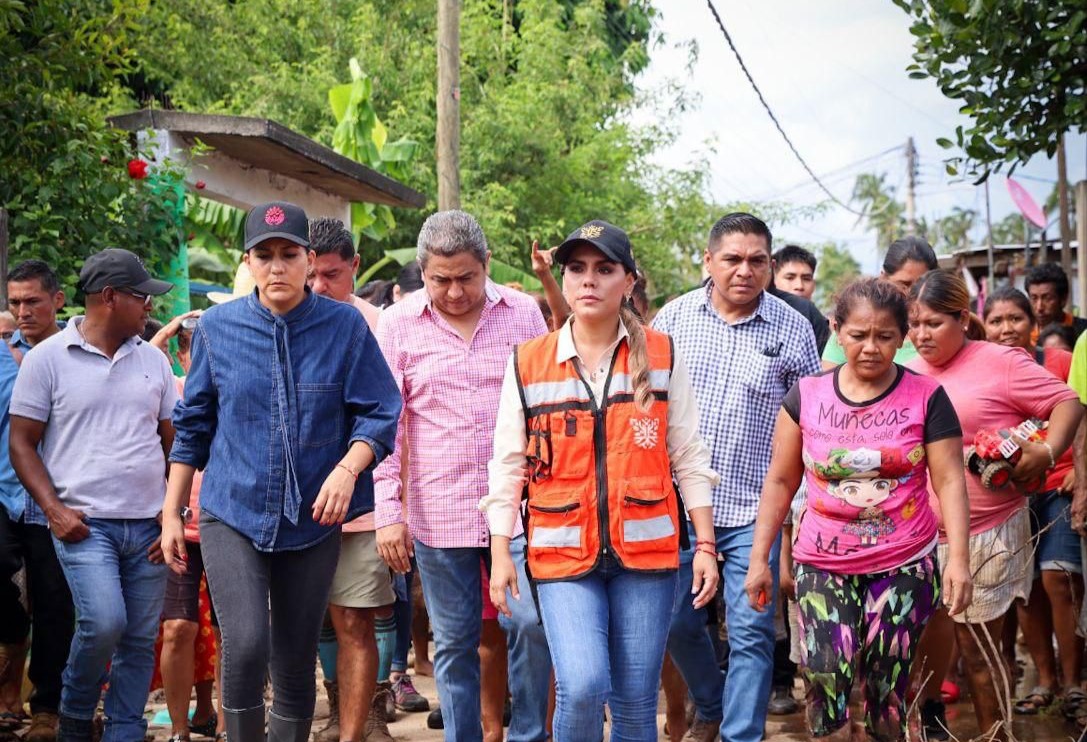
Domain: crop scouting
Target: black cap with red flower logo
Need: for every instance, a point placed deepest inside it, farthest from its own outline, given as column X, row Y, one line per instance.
column 276, row 219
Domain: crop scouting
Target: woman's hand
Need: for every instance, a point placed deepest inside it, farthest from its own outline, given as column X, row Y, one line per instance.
column 759, row 585
column 161, row 340
column 503, row 577
column 332, row 501
column 958, row 586
column 172, row 543
column 542, row 259
column 1068, row 484
column 786, row 584
column 1034, row 463
column 706, row 577
column 1079, row 510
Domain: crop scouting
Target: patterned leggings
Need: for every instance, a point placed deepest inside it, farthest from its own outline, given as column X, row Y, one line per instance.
column 865, row 625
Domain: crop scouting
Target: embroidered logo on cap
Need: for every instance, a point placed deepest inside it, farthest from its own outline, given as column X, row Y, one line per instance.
column 591, row 231
column 274, row 216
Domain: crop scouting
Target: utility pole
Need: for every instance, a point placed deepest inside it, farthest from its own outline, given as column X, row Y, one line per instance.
column 911, row 186
column 1062, row 206
column 3, row 257
column 448, row 139
column 989, row 242
column 1081, row 251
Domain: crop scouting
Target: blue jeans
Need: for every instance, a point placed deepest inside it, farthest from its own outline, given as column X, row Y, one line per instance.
column 402, row 614
column 453, row 590
column 740, row 700
column 118, row 595
column 607, row 632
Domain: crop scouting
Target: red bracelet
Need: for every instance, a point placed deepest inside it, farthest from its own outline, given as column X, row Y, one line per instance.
column 712, row 544
column 706, row 551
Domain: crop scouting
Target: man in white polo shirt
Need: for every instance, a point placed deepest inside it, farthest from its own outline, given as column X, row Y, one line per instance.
column 98, row 401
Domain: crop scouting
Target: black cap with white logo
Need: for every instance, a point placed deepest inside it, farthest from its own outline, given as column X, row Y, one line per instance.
column 119, row 269
column 605, row 237
column 276, row 219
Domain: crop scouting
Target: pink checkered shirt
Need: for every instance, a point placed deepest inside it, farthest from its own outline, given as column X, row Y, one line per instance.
column 451, row 390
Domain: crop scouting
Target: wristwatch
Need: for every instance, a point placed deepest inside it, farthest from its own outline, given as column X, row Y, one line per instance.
column 186, row 514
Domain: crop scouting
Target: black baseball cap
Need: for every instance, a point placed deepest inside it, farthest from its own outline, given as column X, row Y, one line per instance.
column 276, row 219
column 119, row 269
column 607, row 238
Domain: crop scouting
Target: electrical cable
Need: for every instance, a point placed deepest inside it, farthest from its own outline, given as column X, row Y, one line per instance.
column 800, row 159
column 838, row 173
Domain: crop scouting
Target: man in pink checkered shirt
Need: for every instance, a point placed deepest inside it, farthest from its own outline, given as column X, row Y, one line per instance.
column 447, row 347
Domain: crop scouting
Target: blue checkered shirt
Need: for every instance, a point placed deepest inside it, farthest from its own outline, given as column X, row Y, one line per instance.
column 740, row 373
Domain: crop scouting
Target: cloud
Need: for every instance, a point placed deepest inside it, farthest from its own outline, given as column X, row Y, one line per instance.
column 834, row 75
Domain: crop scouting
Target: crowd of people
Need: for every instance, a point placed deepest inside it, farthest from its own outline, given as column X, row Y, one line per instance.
column 733, row 498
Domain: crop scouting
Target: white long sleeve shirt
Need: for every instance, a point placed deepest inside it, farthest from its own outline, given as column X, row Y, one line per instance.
column 688, row 454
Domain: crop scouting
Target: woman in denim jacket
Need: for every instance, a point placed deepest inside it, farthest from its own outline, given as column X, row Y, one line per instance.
column 288, row 406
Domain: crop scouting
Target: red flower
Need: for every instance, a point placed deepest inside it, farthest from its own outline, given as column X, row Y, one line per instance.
column 137, row 169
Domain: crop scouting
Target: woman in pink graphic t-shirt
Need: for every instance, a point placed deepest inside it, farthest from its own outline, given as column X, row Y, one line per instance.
column 867, row 436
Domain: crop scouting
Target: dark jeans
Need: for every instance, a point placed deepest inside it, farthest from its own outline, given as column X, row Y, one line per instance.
column 402, row 613
column 52, row 613
column 244, row 582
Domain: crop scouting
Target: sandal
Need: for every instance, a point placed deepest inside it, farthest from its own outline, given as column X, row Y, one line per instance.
column 10, row 721
column 1074, row 704
column 207, row 729
column 1038, row 699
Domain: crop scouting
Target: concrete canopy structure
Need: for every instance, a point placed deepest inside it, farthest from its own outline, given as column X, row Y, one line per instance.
column 254, row 160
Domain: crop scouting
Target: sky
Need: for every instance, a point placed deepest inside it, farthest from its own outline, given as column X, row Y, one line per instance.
column 834, row 75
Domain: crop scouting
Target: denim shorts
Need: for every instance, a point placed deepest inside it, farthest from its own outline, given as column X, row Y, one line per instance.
column 1058, row 548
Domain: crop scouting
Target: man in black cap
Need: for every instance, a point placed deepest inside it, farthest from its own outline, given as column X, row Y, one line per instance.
column 90, row 428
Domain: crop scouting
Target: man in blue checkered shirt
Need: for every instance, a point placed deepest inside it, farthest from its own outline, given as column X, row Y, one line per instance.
column 744, row 349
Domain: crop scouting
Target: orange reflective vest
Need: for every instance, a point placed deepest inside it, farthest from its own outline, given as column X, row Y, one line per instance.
column 600, row 475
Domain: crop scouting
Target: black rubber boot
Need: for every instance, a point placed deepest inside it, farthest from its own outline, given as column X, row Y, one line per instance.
column 245, row 726
column 287, row 730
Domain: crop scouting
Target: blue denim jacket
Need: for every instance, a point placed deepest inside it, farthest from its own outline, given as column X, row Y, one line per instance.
column 12, row 495
column 272, row 403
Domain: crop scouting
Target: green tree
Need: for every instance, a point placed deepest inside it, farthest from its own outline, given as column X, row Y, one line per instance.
column 547, row 93
column 66, row 184
column 952, row 232
column 837, row 269
column 1018, row 68
column 882, row 213
column 1013, row 229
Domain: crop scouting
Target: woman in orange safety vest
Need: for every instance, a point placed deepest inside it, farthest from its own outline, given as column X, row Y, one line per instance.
column 597, row 417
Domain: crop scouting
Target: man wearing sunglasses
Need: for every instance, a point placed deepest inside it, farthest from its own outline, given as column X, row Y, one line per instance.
column 98, row 401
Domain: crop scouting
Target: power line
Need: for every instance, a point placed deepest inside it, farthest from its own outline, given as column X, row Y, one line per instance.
column 750, row 79
column 838, row 173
